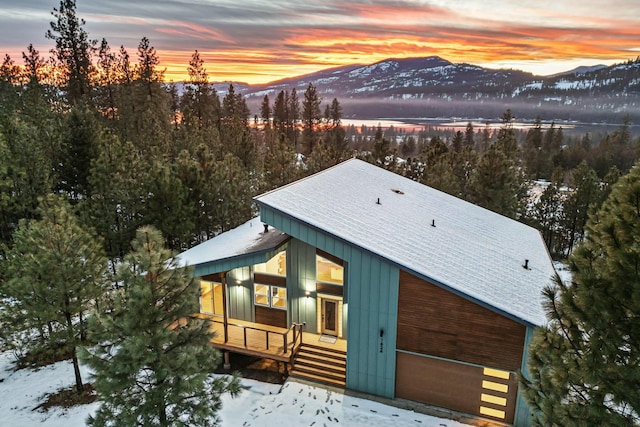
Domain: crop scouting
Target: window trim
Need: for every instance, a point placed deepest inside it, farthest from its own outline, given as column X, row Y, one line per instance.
column 270, row 295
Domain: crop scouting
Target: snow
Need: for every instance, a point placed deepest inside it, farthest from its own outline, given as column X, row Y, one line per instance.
column 233, row 242
column 470, row 250
column 563, row 271
column 259, row 404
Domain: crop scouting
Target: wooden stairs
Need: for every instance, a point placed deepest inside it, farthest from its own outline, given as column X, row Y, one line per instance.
column 320, row 364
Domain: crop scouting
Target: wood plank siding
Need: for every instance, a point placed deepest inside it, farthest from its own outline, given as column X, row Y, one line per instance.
column 436, row 322
column 271, row 316
column 456, row 386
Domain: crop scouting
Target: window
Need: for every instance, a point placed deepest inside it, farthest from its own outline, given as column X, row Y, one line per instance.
column 211, row 298
column 276, row 266
column 270, row 296
column 328, row 271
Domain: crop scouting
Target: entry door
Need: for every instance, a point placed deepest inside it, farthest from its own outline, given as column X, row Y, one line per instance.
column 329, row 317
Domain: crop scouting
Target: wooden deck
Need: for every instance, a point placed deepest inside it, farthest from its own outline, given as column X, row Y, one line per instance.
column 270, row 342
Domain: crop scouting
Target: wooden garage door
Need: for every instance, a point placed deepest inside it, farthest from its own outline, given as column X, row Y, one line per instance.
column 466, row 388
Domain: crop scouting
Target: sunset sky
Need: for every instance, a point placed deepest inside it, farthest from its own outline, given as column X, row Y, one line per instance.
column 259, row 41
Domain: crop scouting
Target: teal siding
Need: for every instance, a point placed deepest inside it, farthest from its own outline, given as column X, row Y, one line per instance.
column 240, row 294
column 522, row 416
column 370, row 304
column 301, row 278
column 371, row 359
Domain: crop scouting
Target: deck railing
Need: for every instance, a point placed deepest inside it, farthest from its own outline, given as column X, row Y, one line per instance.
column 292, row 336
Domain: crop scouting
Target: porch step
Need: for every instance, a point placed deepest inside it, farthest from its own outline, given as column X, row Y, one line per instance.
column 320, row 364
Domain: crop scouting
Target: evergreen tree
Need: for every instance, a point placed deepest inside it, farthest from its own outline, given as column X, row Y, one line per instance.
column 281, row 112
column 115, row 207
column 311, row 117
column 469, row 136
column 25, row 175
column 81, row 133
column 153, row 364
column 585, row 191
column 497, row 184
column 9, row 86
column 532, row 156
column 56, row 271
column 73, row 51
column 546, row 213
column 265, row 112
column 583, row 365
column 293, row 114
column 200, row 104
column 106, row 87
column 167, row 207
column 280, row 164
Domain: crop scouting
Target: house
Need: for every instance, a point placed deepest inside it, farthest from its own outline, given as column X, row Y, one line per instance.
column 433, row 299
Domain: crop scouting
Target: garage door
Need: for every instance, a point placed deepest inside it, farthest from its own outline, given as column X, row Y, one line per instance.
column 466, row 388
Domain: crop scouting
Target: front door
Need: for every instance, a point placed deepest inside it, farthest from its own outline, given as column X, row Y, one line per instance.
column 329, row 317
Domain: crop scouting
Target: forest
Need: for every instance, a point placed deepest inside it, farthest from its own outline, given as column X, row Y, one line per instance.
column 94, row 140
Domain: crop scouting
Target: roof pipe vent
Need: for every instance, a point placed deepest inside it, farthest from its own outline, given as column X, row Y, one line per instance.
column 378, row 202
column 266, row 228
column 526, row 264
column 433, row 222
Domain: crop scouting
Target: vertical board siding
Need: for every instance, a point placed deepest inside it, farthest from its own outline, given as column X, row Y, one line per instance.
column 523, row 411
column 240, row 298
column 437, row 322
column 301, row 277
column 371, row 298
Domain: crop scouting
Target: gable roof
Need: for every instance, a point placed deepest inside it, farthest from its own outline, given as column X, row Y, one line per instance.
column 471, row 251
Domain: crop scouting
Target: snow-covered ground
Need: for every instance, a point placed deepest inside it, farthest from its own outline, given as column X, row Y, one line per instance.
column 563, row 271
column 260, row 404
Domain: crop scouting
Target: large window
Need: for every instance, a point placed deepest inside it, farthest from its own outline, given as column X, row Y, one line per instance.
column 211, row 298
column 270, row 296
column 276, row 266
column 329, row 271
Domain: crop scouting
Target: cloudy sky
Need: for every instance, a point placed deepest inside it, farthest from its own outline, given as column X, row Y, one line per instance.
column 264, row 40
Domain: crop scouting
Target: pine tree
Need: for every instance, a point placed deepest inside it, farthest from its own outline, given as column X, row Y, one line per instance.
column 584, row 193
column 311, row 117
column 153, row 364
column 293, row 114
column 73, row 51
column 25, row 175
column 56, row 271
column 496, row 183
column 583, row 365
column 200, row 104
column 265, row 112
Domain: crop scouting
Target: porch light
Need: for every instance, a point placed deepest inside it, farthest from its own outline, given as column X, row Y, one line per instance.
column 238, row 282
column 307, row 294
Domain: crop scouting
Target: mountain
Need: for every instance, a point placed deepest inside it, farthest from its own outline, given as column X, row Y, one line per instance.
column 435, row 87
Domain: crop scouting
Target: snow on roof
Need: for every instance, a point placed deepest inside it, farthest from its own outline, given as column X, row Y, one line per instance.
column 244, row 239
column 471, row 250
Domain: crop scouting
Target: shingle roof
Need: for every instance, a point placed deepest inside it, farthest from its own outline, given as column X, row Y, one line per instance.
column 473, row 251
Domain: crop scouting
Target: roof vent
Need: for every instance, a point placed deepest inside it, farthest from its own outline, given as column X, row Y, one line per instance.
column 526, row 264
column 378, row 202
column 395, row 190
column 266, row 228
column 433, row 222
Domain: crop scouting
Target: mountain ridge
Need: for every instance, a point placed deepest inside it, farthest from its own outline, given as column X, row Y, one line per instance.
column 435, row 87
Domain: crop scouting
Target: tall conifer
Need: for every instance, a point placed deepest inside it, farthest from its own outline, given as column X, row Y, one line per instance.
column 153, row 363
column 584, row 365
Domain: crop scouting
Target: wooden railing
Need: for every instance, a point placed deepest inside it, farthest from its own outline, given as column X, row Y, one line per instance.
column 292, row 336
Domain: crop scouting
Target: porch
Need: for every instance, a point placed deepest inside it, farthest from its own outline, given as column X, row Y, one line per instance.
column 266, row 341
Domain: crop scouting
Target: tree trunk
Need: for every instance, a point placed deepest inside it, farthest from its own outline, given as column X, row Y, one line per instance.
column 74, row 353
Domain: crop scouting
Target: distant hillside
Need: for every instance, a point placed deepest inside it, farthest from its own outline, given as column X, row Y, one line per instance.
column 435, row 87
